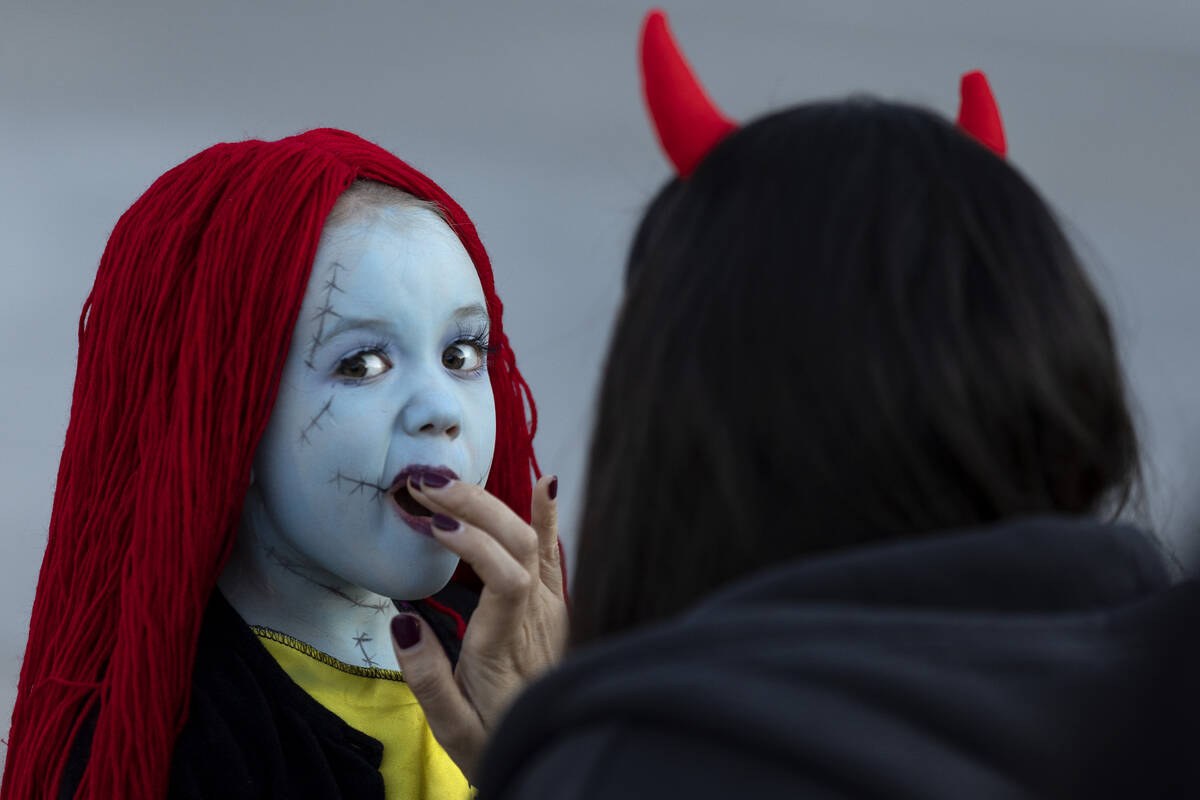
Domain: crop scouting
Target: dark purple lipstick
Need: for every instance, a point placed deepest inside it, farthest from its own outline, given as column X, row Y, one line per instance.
column 415, row 515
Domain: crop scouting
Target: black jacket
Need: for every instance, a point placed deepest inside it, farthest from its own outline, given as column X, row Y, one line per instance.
column 252, row 733
column 1043, row 659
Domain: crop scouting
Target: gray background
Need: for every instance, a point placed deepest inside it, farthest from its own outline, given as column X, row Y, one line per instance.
column 529, row 114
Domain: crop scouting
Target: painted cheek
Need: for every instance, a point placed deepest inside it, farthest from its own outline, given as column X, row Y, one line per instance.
column 482, row 411
column 355, row 446
column 317, row 421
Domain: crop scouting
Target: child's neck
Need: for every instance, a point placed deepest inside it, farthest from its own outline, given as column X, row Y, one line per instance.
column 272, row 586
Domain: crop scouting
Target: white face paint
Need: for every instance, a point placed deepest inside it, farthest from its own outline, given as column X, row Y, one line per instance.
column 386, row 372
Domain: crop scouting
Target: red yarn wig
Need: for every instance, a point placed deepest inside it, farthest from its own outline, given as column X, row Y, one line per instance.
column 181, row 345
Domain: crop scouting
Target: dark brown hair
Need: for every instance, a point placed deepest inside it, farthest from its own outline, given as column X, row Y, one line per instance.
column 852, row 323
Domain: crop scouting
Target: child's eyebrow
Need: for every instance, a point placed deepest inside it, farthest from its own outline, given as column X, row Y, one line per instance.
column 350, row 323
column 471, row 312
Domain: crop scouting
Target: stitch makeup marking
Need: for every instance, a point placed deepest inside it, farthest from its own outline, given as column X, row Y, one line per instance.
column 378, row 606
column 315, row 422
column 324, row 311
column 360, row 642
column 358, row 485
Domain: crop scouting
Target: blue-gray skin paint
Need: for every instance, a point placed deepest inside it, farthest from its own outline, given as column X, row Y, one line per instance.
column 386, row 369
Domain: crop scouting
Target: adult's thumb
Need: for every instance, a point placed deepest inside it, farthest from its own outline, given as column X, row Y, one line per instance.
column 428, row 673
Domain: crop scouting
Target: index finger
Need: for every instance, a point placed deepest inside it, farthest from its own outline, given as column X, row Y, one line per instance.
column 475, row 506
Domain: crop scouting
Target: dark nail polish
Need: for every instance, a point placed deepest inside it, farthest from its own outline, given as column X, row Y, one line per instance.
column 552, row 489
column 406, row 630
column 433, row 480
column 445, row 523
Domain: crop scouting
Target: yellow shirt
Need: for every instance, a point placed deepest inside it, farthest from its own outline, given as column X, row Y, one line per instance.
column 379, row 703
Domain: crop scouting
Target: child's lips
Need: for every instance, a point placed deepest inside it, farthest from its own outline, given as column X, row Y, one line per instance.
column 415, row 471
column 415, row 515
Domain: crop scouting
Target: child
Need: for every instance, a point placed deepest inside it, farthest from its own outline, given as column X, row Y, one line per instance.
column 283, row 337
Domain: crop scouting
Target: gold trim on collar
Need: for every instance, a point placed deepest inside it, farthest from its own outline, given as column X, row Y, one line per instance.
column 324, row 658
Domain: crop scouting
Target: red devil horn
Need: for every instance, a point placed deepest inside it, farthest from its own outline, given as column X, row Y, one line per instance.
column 978, row 114
column 689, row 124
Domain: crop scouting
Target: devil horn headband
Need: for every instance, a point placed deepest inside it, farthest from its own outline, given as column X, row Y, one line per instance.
column 689, row 123
column 978, row 114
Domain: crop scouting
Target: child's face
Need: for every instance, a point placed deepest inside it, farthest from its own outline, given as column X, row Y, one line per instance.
column 386, row 372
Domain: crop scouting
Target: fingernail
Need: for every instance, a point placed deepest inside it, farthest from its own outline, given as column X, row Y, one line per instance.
column 433, row 480
column 552, row 489
column 445, row 523
column 406, row 631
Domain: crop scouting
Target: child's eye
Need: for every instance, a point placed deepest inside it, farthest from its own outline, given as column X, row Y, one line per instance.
column 463, row 357
column 364, row 364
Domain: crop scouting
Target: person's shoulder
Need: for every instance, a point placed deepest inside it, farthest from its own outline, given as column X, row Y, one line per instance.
column 252, row 732
column 227, row 711
column 651, row 714
column 780, row 681
column 622, row 759
column 232, row 713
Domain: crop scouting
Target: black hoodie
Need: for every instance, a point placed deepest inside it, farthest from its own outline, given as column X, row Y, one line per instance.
column 1045, row 658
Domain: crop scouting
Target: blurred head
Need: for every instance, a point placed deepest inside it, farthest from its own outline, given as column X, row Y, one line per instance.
column 850, row 324
column 191, row 346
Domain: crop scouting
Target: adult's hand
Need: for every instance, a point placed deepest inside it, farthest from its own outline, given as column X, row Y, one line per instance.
column 518, row 630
